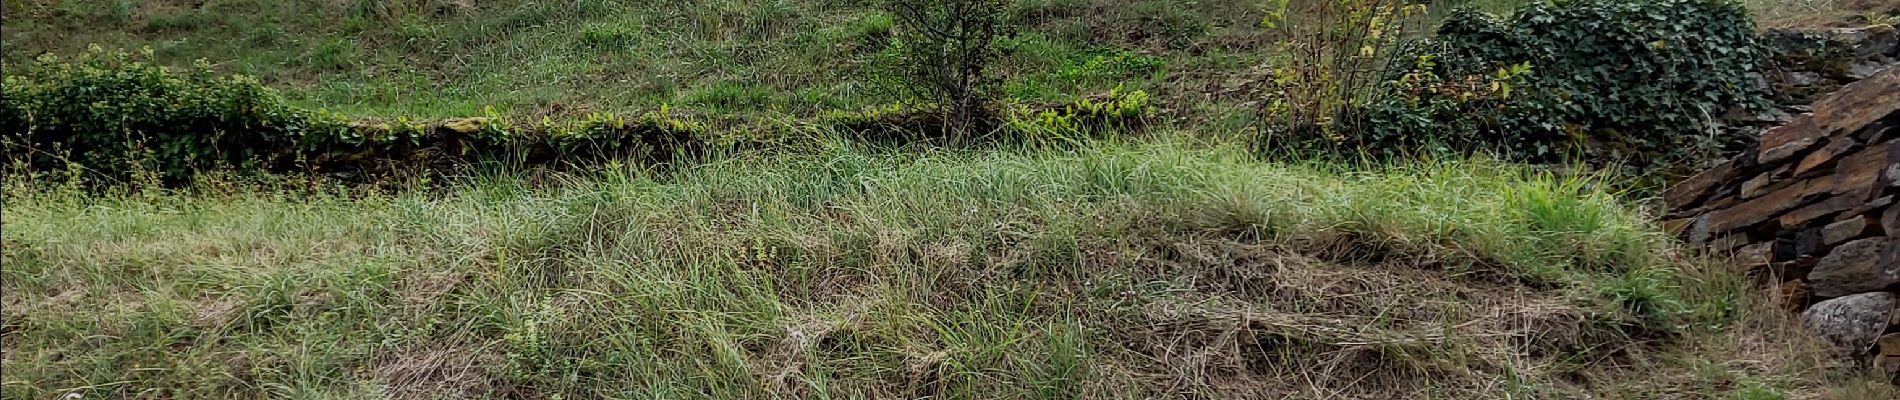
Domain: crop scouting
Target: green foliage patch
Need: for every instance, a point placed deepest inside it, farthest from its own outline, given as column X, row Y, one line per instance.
column 1118, row 110
column 1643, row 81
column 112, row 113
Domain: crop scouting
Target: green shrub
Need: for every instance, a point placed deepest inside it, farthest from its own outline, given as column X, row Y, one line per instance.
column 941, row 58
column 1623, row 79
column 895, row 123
column 1111, row 64
column 1080, row 71
column 900, row 124
column 1331, row 57
column 112, row 113
column 1433, row 113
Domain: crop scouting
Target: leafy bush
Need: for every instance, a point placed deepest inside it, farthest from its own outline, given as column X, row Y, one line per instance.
column 1618, row 79
column 1333, row 54
column 110, row 113
column 1432, row 113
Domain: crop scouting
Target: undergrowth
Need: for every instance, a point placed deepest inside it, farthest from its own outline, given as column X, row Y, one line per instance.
column 1640, row 83
column 1107, row 272
column 113, row 114
column 176, row 233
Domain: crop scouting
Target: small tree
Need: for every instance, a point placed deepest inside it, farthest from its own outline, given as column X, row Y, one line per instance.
column 942, row 50
column 1334, row 55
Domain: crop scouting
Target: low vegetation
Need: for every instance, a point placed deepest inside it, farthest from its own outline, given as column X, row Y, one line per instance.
column 742, row 60
column 1823, row 13
column 1109, row 273
column 114, row 116
column 1640, row 83
column 963, row 199
column 942, row 57
column 1609, row 81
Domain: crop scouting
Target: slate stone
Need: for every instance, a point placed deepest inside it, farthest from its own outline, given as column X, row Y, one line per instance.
column 1847, row 229
column 1854, row 267
column 1820, row 157
column 1756, row 210
column 1698, row 186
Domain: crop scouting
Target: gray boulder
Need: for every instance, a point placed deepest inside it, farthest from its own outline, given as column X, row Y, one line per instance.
column 1850, row 324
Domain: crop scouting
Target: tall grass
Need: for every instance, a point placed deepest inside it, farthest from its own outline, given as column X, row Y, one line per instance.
column 1104, row 272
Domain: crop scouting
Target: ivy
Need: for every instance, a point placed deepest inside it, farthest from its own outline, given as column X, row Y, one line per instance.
column 1638, row 81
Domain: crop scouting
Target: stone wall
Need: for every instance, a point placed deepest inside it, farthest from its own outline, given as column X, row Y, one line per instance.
column 1806, row 64
column 1812, row 208
column 1809, row 63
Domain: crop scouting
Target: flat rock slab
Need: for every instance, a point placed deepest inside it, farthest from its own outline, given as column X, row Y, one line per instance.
column 1849, row 109
column 1855, row 267
column 1847, row 229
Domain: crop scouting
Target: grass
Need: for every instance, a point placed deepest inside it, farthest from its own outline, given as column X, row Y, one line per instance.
column 1771, row 14
column 432, row 59
column 1112, row 271
column 730, row 59
column 441, row 59
column 1176, row 266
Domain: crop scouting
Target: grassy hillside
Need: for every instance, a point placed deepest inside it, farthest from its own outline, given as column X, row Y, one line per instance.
column 438, row 58
column 1175, row 263
column 723, row 59
column 729, row 58
column 1136, row 272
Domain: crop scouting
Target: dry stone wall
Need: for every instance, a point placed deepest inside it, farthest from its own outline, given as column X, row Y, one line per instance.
column 1812, row 208
column 1809, row 63
column 1805, row 64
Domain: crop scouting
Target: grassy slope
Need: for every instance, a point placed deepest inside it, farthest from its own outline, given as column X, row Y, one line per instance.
column 1107, row 272
column 1153, row 271
column 1823, row 13
column 435, row 58
column 723, row 59
column 726, row 58
column 755, row 59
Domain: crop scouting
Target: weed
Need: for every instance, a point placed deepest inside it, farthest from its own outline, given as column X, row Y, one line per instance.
column 611, row 36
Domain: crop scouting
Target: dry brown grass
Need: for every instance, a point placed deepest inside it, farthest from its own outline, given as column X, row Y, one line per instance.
column 436, row 371
column 1280, row 323
column 1809, row 14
